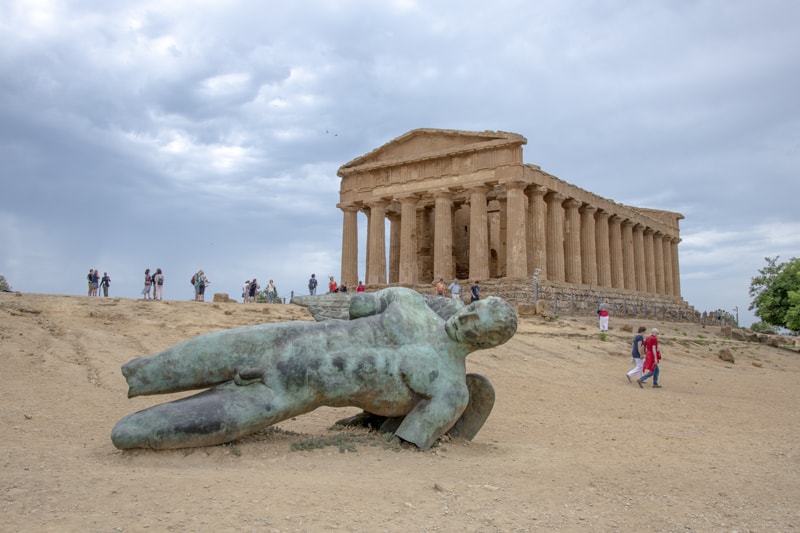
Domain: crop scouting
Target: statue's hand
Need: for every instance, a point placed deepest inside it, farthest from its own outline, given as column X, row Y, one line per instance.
column 248, row 376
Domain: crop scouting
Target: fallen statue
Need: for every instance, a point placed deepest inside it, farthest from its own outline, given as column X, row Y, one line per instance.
column 397, row 358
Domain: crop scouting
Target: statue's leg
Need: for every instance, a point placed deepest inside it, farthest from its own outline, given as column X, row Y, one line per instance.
column 481, row 401
column 215, row 416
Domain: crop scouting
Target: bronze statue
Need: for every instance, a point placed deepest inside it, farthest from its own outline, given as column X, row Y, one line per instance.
column 397, row 358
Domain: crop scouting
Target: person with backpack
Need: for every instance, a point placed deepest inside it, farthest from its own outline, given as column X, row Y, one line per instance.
column 200, row 283
column 637, row 354
column 158, row 285
column 312, row 285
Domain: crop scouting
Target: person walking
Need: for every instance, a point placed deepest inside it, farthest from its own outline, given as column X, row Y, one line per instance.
column 651, row 360
column 637, row 355
column 455, row 290
column 440, row 287
column 475, row 292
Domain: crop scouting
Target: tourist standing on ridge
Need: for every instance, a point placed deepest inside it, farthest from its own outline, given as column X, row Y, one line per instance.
column 272, row 292
column 200, row 283
column 158, row 285
column 332, row 287
column 148, row 283
column 105, row 282
column 312, row 285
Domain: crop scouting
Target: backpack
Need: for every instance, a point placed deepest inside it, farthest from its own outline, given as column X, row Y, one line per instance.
column 194, row 280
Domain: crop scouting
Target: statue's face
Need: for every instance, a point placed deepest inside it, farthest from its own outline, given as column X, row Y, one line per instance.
column 483, row 324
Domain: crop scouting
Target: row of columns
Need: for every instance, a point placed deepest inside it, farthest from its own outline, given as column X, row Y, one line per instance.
column 561, row 237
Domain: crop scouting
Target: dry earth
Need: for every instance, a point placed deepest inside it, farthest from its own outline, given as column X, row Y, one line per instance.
column 570, row 445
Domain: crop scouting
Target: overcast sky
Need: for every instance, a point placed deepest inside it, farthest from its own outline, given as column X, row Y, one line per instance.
column 207, row 134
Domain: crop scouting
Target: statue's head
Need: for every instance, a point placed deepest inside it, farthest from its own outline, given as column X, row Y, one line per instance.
column 483, row 324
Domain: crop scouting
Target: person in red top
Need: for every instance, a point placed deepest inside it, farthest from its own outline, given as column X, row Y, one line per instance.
column 332, row 287
column 651, row 360
column 360, row 287
column 602, row 312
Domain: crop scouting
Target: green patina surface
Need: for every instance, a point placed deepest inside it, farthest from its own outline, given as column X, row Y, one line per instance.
column 397, row 357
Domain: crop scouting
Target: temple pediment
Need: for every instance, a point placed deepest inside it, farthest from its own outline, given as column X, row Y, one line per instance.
column 427, row 143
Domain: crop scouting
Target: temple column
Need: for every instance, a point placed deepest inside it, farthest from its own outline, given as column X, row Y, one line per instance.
column 667, row 252
column 658, row 258
column 555, row 236
column 676, row 271
column 478, row 234
column 443, row 235
column 638, row 258
column 617, row 257
column 588, row 248
column 376, row 243
column 628, row 256
column 516, row 238
column 603, row 249
column 572, row 241
column 394, row 245
column 407, row 269
column 349, row 274
column 649, row 261
column 537, row 215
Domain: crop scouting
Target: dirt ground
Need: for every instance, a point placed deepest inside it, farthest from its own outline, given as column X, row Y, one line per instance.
column 570, row 444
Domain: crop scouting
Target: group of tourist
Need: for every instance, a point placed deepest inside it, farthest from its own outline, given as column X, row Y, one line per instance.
column 153, row 284
column 251, row 290
column 95, row 282
column 200, row 282
column 333, row 287
column 645, row 357
column 455, row 290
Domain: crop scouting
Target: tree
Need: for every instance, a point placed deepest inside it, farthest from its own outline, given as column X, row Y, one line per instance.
column 776, row 293
column 4, row 286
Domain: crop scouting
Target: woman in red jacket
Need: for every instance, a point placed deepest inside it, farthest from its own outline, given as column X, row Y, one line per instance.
column 651, row 360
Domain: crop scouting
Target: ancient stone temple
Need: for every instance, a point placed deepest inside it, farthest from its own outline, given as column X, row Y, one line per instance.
column 464, row 205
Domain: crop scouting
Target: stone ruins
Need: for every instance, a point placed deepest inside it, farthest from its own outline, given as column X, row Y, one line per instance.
column 463, row 205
